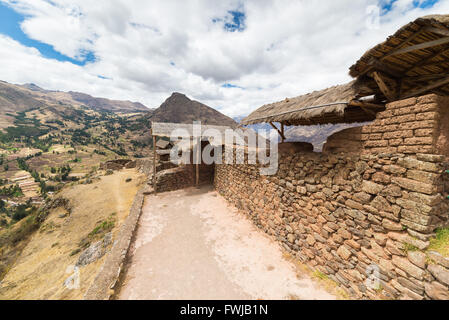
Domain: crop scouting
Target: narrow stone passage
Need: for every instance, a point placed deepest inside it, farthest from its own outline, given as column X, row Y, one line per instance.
column 191, row 245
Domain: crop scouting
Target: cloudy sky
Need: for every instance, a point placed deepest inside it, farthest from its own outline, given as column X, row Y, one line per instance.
column 233, row 55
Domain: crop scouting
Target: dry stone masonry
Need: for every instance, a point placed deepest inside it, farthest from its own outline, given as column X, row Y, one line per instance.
column 367, row 210
column 175, row 179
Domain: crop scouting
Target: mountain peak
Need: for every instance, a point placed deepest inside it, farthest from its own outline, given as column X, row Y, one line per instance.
column 178, row 108
column 178, row 95
column 32, row 87
column 175, row 94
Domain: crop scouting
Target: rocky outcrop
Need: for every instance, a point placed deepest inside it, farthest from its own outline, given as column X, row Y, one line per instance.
column 95, row 251
column 118, row 164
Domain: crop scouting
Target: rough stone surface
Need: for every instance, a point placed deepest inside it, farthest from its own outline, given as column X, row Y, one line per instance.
column 418, row 258
column 91, row 254
column 439, row 272
column 438, row 258
column 437, row 291
column 378, row 202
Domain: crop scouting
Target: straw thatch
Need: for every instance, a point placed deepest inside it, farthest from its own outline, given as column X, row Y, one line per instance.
column 412, row 62
column 331, row 105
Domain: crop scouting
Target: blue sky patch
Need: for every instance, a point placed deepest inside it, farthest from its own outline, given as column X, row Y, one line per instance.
column 10, row 22
column 425, row 4
column 235, row 21
column 103, row 77
column 387, row 5
column 231, row 86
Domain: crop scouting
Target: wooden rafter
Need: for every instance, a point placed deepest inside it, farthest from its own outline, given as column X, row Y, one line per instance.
column 368, row 105
column 378, row 65
column 426, row 60
column 441, row 64
column 441, row 32
column 425, row 77
column 427, row 88
column 403, row 43
column 420, row 46
column 281, row 133
column 389, row 93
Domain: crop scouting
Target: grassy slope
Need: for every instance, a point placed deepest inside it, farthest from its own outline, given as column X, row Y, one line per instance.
column 40, row 270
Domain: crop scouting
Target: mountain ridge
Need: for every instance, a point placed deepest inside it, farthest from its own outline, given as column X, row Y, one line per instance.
column 31, row 91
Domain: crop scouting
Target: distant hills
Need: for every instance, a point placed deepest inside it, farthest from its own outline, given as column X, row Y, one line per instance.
column 58, row 111
column 178, row 108
column 316, row 135
column 30, row 96
column 14, row 98
column 106, row 104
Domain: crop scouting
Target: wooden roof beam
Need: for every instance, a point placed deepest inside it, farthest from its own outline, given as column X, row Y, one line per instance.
column 374, row 106
column 441, row 32
column 389, row 93
column 281, row 132
column 425, row 77
column 377, row 65
column 407, row 40
column 423, row 63
column 424, row 89
column 420, row 46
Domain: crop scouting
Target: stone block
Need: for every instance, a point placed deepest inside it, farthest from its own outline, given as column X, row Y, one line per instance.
column 405, row 265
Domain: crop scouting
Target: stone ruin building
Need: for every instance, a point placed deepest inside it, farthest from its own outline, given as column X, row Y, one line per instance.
column 366, row 207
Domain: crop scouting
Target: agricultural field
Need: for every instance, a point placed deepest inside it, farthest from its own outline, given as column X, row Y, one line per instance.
column 45, row 148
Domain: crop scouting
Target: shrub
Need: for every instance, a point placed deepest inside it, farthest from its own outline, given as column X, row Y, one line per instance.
column 20, row 212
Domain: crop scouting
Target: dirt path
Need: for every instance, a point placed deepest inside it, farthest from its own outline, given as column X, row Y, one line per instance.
column 191, row 245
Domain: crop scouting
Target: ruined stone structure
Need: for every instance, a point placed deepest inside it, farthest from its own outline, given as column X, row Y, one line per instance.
column 118, row 164
column 175, row 179
column 369, row 203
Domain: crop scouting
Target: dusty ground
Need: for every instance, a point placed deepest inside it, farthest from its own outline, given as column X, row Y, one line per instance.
column 191, row 245
column 41, row 269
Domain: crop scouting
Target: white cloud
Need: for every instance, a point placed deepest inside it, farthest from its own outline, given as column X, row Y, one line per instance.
column 288, row 48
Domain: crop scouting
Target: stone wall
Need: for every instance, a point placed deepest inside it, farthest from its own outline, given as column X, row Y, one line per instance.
column 105, row 281
column 409, row 126
column 175, row 179
column 350, row 214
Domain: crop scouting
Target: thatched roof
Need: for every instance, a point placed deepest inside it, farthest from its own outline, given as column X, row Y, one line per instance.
column 332, row 105
column 412, row 62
